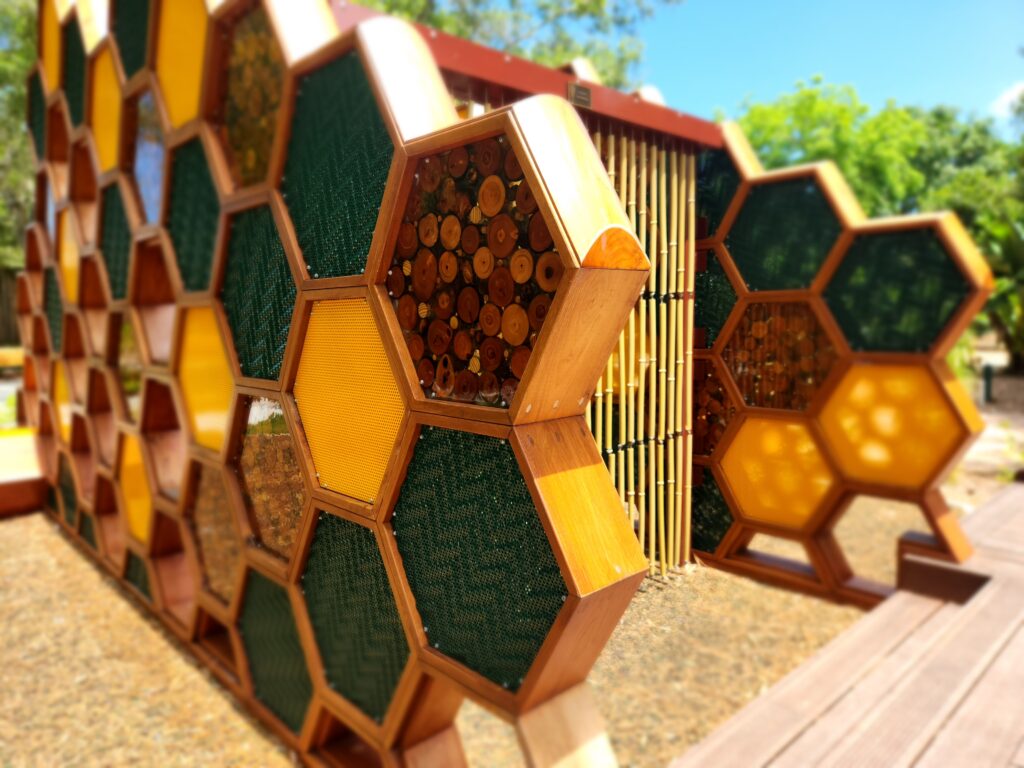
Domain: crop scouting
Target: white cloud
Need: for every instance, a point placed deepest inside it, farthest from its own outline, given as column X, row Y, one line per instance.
column 1003, row 105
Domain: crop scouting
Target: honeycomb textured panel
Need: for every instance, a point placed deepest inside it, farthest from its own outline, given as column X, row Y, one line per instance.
column 52, row 306
column 115, row 241
column 339, row 155
column 105, row 112
column 354, row 616
column 37, row 113
column 910, row 283
column 192, row 215
column 711, row 515
column 347, row 398
column 135, row 573
column 69, row 499
column 271, row 477
column 205, row 376
column 218, row 541
column 276, row 661
column 782, row 234
column 135, row 489
column 714, row 299
column 258, row 293
column 74, row 72
column 255, row 81
column 717, row 182
column 148, row 165
column 486, row 583
column 130, row 24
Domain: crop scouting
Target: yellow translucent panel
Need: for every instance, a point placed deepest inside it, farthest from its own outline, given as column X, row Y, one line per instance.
column 180, row 48
column 62, row 400
column 50, row 40
column 205, row 376
column 304, row 25
column 68, row 257
column 349, row 403
column 135, row 489
column 890, row 424
column 106, row 109
column 776, row 471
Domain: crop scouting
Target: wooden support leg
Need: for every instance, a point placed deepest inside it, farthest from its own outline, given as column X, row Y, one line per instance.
column 567, row 731
column 442, row 750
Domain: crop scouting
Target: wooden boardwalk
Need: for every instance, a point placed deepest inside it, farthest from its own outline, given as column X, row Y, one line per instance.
column 932, row 677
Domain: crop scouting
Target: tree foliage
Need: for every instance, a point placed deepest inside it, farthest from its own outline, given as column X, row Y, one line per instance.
column 902, row 160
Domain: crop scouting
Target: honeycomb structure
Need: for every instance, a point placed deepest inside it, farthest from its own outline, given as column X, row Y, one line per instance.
column 228, row 395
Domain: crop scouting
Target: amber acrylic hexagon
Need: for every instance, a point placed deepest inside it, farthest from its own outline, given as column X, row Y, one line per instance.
column 105, row 107
column 68, row 254
column 893, row 425
column 205, row 377
column 343, row 375
column 180, row 47
column 777, row 472
column 136, row 501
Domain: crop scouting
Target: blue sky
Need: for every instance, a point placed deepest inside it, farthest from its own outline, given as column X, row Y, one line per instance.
column 706, row 55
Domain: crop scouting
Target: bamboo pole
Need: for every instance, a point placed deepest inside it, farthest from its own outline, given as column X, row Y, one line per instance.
column 597, row 420
column 631, row 343
column 646, row 524
column 652, row 354
column 662, row 290
column 609, row 385
column 673, row 381
column 620, row 447
column 687, row 346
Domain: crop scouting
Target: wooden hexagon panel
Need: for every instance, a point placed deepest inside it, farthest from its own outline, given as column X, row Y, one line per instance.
column 820, row 374
column 310, row 357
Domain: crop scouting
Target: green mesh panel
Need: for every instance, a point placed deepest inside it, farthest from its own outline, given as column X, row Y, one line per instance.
column 67, row 492
column 192, row 215
column 135, row 573
column 115, row 241
column 53, row 309
column 354, row 615
column 485, row 580
column 895, row 292
column 338, row 160
column 717, row 182
column 129, row 21
column 51, row 499
column 278, row 668
column 713, row 300
column 74, row 72
column 782, row 235
column 37, row 112
column 88, row 531
column 258, row 293
column 711, row 517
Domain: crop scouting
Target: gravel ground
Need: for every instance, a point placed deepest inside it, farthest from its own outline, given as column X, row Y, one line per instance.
column 103, row 684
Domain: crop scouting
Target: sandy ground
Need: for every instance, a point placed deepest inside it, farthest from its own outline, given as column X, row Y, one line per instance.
column 89, row 679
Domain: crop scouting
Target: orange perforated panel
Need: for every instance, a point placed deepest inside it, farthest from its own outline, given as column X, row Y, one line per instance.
column 135, row 489
column 106, row 109
column 68, row 256
column 62, row 399
column 205, row 377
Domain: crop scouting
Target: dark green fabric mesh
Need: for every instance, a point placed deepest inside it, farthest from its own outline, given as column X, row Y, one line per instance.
column 88, row 530
column 782, row 234
column 717, row 182
column 896, row 291
column 129, row 21
column 338, row 160
column 355, row 619
column 115, row 241
column 485, row 580
column 67, row 491
column 710, row 517
column 135, row 573
column 713, row 300
column 276, row 662
column 51, row 499
column 258, row 293
column 192, row 215
column 37, row 112
column 74, row 72
column 53, row 308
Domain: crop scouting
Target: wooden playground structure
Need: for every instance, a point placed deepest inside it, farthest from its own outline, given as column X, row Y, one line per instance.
column 318, row 304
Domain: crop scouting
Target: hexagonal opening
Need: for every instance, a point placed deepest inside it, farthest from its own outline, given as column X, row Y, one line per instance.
column 152, row 299
column 355, row 620
column 269, row 475
column 46, row 441
column 711, row 517
column 111, row 531
column 343, row 374
column 44, row 206
column 869, row 520
column 115, row 240
column 779, row 355
column 144, row 152
column 277, row 663
column 783, row 233
column 173, row 570
column 54, row 311
column 73, row 76
column 713, row 407
column 218, row 542
column 105, row 107
column 58, row 149
column 214, row 637
column 717, row 183
column 192, row 213
column 180, row 39
column 101, row 415
column 94, row 306
column 258, row 293
column 127, row 358
column 30, row 390
column 66, row 493
column 253, row 62
column 69, row 255
column 135, row 500
column 338, row 746
column 82, row 456
column 23, row 310
column 40, row 345
column 163, row 436
column 780, row 553
column 473, row 274
column 62, row 399
column 713, row 300
column 129, row 25
column 83, row 190
column 74, row 357
column 333, row 193
column 205, row 377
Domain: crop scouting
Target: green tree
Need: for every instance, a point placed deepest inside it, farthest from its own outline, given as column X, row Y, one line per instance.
column 901, row 160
